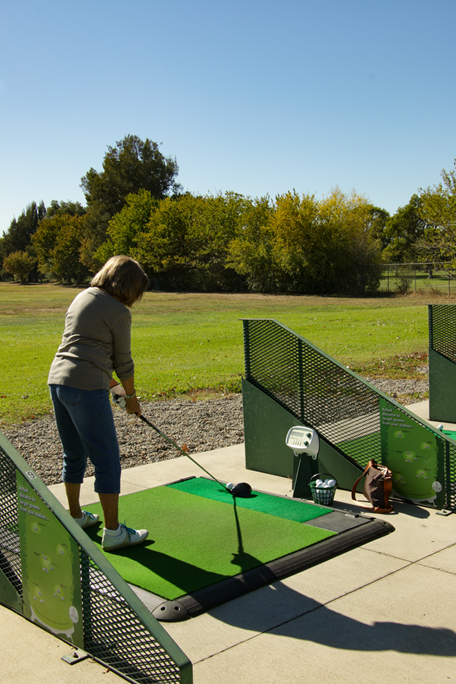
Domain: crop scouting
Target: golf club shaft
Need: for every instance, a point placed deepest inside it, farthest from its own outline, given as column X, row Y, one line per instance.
column 168, row 439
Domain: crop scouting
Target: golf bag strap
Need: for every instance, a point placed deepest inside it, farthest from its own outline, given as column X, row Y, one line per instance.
column 353, row 495
column 388, row 486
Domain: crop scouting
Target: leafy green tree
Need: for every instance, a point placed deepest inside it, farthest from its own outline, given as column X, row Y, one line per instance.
column 221, row 242
column 131, row 165
column 402, row 233
column 364, row 252
column 186, row 241
column 19, row 234
column 45, row 240
column 326, row 246
column 125, row 226
column 18, row 237
column 378, row 225
column 58, row 242
column 20, row 264
column 65, row 256
column 351, row 223
column 293, row 224
column 438, row 212
column 217, row 225
column 251, row 252
column 57, row 208
column 164, row 247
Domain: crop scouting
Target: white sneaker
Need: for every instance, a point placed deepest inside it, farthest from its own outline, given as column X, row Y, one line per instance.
column 88, row 519
column 127, row 537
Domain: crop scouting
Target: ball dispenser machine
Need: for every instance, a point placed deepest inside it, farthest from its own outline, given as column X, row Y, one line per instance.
column 304, row 442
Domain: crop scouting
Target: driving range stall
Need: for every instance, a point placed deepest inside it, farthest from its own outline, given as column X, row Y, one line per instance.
column 210, row 546
column 442, row 362
column 290, row 382
column 53, row 575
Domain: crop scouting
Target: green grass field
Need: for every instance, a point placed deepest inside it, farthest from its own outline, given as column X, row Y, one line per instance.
column 190, row 343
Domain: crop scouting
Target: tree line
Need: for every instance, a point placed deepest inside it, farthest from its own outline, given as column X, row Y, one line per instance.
column 294, row 243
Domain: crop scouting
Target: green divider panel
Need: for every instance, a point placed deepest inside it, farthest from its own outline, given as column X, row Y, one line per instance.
column 53, row 574
column 9, row 596
column 289, row 381
column 266, row 425
column 331, row 461
column 442, row 362
column 442, row 383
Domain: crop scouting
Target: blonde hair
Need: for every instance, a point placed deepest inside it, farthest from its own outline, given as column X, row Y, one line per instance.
column 123, row 278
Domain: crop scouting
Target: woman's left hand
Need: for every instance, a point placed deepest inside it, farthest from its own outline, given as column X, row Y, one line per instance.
column 133, row 406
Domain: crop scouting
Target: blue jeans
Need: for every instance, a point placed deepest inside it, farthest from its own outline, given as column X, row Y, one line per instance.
column 86, row 429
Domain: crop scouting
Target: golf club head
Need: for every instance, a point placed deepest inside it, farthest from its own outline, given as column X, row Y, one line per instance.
column 242, row 490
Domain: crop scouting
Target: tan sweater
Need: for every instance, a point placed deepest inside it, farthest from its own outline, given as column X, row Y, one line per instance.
column 96, row 341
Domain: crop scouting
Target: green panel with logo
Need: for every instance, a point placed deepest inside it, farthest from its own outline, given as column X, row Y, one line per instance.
column 50, row 568
column 414, row 454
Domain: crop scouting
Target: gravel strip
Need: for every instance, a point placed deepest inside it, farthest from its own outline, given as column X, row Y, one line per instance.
column 405, row 391
column 201, row 425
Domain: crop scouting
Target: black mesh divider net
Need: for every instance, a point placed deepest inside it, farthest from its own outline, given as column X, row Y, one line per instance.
column 314, row 388
column 272, row 362
column 114, row 633
column 451, row 477
column 442, row 329
column 10, row 550
column 326, row 396
column 442, row 339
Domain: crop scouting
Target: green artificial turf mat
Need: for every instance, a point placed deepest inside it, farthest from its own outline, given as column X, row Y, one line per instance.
column 195, row 542
column 290, row 509
column 450, row 433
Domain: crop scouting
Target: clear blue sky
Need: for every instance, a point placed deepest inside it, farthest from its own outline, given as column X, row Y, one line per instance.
column 254, row 96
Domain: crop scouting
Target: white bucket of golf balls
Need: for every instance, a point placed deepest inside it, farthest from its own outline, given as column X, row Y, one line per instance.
column 323, row 488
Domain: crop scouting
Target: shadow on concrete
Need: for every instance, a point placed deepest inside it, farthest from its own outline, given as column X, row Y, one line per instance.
column 316, row 623
column 402, row 507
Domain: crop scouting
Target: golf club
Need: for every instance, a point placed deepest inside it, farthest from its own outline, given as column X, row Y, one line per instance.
column 242, row 489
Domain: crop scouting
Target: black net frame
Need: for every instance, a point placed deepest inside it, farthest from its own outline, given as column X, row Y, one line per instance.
column 442, row 329
column 442, row 340
column 10, row 550
column 325, row 395
column 118, row 630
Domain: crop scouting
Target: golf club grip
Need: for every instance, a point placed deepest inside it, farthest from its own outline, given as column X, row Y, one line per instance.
column 168, row 439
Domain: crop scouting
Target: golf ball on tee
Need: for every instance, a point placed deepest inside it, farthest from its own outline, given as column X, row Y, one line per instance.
column 229, row 486
column 440, row 427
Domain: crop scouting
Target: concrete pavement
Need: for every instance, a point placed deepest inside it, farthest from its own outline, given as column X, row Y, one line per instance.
column 381, row 612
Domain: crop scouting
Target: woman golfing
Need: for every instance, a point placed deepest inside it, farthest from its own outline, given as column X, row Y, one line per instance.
column 96, row 342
